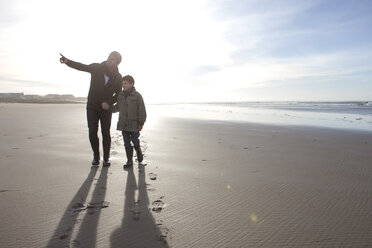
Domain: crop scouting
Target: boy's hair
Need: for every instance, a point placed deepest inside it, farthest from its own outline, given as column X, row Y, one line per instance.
column 128, row 78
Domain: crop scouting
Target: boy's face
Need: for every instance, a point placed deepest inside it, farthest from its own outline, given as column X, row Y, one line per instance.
column 126, row 85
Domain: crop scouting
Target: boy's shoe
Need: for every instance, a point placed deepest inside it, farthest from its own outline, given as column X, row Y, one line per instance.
column 139, row 154
column 128, row 165
column 106, row 163
column 129, row 153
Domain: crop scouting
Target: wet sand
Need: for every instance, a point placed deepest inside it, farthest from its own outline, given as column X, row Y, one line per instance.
column 206, row 184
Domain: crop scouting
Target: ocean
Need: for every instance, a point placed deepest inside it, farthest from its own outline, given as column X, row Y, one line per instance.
column 342, row 115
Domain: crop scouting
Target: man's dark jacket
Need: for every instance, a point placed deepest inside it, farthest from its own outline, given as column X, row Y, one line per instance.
column 98, row 91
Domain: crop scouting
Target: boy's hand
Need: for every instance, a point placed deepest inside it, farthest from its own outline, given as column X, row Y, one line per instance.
column 140, row 128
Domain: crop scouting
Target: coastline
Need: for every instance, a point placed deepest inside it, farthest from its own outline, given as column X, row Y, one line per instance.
column 338, row 117
column 46, row 101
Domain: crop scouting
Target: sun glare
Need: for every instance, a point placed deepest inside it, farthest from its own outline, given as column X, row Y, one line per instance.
column 162, row 44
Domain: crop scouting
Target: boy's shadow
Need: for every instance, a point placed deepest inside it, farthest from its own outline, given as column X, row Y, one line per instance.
column 78, row 208
column 138, row 228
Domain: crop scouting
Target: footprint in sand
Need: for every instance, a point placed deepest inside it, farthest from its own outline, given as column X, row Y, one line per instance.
column 153, row 176
column 94, row 207
column 136, row 210
column 148, row 187
column 75, row 243
column 164, row 232
column 136, row 215
column 63, row 236
column 77, row 207
column 8, row 190
column 143, row 163
column 157, row 206
column 91, row 207
column 98, row 205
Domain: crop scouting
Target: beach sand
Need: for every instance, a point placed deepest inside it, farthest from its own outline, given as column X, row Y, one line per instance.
column 206, row 184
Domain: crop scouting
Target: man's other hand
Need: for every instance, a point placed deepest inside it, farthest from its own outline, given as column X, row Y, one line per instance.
column 105, row 106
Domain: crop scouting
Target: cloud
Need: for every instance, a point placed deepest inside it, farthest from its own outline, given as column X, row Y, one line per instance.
column 312, row 88
column 188, row 47
column 202, row 70
column 25, row 83
column 29, row 86
column 276, row 41
column 8, row 13
column 267, row 72
column 292, row 28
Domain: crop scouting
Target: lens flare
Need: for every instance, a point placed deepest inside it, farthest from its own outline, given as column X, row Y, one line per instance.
column 253, row 217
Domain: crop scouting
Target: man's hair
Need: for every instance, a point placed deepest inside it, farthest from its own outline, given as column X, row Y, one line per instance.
column 117, row 56
column 128, row 78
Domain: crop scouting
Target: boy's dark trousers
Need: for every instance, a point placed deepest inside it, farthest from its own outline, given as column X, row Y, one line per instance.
column 94, row 116
column 131, row 136
column 134, row 138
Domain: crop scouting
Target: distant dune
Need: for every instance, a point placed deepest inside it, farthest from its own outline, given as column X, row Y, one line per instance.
column 50, row 98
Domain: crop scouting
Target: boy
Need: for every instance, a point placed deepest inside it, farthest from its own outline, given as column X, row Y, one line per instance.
column 132, row 117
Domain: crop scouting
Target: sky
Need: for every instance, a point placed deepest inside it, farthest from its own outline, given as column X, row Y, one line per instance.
column 193, row 50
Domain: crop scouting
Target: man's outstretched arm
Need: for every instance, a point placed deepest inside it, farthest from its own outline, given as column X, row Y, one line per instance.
column 75, row 65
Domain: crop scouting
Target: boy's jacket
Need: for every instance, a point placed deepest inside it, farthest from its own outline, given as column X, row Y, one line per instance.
column 132, row 111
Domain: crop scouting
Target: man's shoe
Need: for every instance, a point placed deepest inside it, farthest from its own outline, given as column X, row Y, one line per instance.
column 95, row 161
column 106, row 163
column 128, row 165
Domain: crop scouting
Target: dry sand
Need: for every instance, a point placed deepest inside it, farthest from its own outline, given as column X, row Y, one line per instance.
column 218, row 184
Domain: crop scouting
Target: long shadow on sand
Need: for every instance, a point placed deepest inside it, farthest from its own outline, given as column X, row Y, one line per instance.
column 78, row 209
column 138, row 228
column 87, row 235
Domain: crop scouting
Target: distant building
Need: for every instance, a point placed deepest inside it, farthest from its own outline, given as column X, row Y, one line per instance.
column 11, row 95
column 60, row 97
column 31, row 97
column 68, row 96
column 81, row 99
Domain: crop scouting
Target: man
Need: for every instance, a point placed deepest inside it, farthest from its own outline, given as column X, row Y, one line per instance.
column 105, row 84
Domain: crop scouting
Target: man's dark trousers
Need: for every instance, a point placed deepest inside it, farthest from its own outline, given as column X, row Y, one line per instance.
column 94, row 116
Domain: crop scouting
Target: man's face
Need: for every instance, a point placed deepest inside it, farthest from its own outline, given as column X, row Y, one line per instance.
column 126, row 85
column 111, row 62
